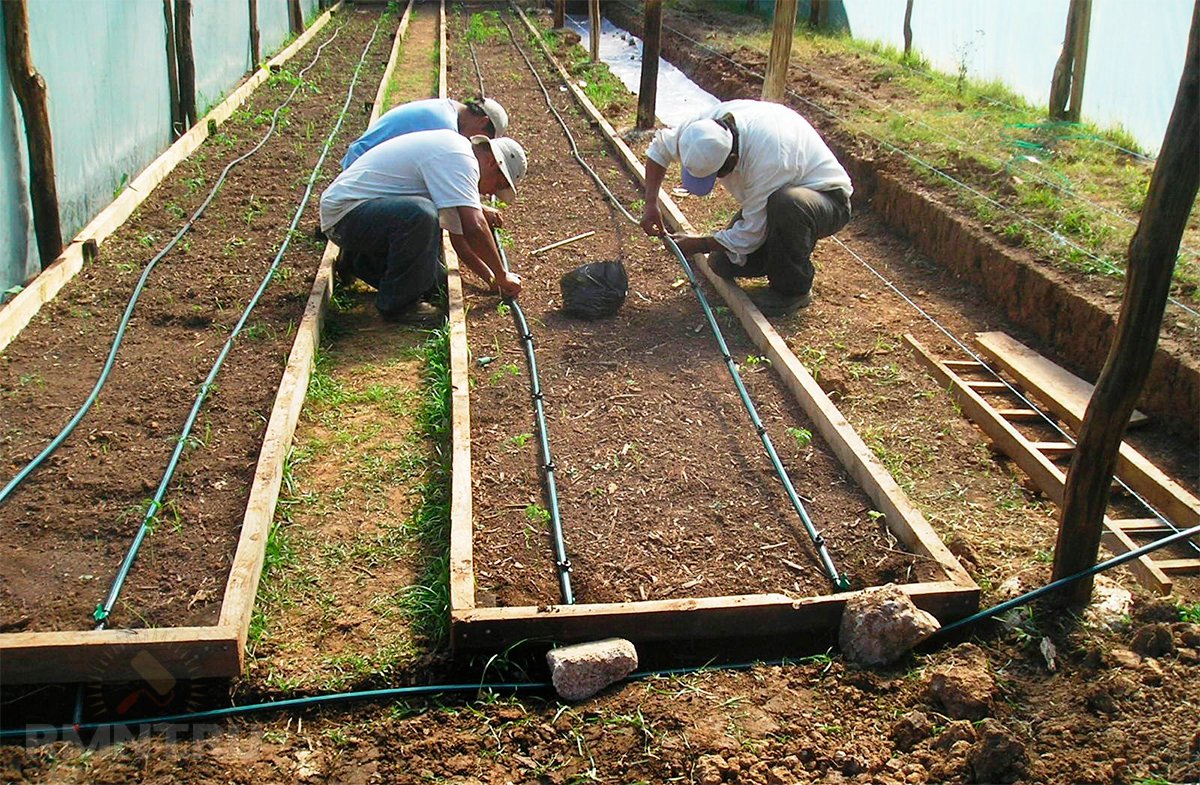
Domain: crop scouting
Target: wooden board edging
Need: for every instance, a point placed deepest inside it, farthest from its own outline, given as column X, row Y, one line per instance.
column 119, row 655
column 687, row 619
column 901, row 517
column 19, row 311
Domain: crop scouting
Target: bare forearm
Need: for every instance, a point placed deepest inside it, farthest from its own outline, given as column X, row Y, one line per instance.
column 467, row 255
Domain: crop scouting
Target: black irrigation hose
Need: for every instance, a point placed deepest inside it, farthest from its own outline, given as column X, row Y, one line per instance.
column 561, row 562
column 840, row 582
column 67, row 429
column 103, row 609
column 64, row 732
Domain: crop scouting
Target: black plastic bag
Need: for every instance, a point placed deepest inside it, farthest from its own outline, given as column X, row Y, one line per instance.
column 594, row 290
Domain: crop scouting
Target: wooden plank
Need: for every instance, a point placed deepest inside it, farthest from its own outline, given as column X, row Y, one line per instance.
column 986, row 386
column 118, row 655
column 377, row 108
column 1061, row 391
column 901, row 517
column 1013, row 414
column 1180, row 566
column 22, row 308
column 700, row 618
column 1143, row 526
column 1067, row 397
column 1053, row 449
column 1049, row 479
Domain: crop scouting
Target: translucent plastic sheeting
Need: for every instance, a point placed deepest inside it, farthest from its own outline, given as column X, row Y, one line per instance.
column 1135, row 50
column 678, row 97
column 105, row 66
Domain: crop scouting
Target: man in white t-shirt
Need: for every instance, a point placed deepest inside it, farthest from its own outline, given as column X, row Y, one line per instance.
column 791, row 188
column 387, row 210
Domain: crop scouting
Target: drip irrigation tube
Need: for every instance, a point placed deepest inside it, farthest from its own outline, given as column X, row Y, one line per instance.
column 62, row 732
column 839, row 582
column 103, row 609
column 118, row 338
column 561, row 563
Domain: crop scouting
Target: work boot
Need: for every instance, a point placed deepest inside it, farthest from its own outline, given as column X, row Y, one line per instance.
column 343, row 269
column 774, row 303
column 419, row 313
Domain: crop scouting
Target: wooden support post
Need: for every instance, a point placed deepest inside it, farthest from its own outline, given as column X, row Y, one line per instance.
column 908, row 8
column 1152, row 252
column 1066, row 86
column 1079, row 67
column 816, row 14
column 651, row 46
column 30, row 88
column 255, row 51
column 187, row 62
column 594, row 29
column 295, row 17
column 172, row 70
column 560, row 14
column 775, row 82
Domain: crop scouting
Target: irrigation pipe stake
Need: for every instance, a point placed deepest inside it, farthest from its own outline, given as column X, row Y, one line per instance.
column 561, row 243
column 561, row 563
column 840, row 582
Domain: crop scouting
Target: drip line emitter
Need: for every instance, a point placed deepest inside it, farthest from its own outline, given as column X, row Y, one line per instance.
column 840, row 582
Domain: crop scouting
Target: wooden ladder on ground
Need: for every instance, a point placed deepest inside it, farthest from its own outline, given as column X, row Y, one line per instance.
column 1006, row 417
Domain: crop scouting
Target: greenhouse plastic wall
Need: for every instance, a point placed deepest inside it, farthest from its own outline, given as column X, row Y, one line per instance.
column 109, row 101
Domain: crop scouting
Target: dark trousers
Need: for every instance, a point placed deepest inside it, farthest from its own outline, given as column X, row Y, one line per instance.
column 796, row 218
column 393, row 244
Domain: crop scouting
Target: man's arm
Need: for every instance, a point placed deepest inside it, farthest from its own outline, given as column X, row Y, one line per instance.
column 468, row 257
column 478, row 237
column 651, row 219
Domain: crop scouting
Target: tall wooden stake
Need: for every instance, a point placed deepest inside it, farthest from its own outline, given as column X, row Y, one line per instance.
column 255, row 51
column 594, row 28
column 1066, row 86
column 187, row 62
column 816, row 13
column 908, row 6
column 1152, row 255
column 775, row 83
column 30, row 88
column 295, row 17
column 172, row 70
column 651, row 47
column 560, row 14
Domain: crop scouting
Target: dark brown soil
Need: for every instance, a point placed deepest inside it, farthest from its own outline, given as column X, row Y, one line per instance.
column 67, row 528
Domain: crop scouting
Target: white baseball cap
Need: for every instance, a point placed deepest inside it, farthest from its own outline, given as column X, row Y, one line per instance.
column 703, row 147
column 495, row 112
column 510, row 156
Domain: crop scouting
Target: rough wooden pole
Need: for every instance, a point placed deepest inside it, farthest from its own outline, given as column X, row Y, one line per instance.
column 1060, row 82
column 594, row 28
column 775, row 83
column 172, row 69
column 560, row 14
column 30, row 89
column 816, row 14
column 187, row 62
column 651, row 47
column 255, row 51
column 1079, row 66
column 1152, row 253
column 908, row 8
column 295, row 17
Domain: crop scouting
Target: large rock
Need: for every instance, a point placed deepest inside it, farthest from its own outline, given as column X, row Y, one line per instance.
column 963, row 684
column 881, row 624
column 582, row 670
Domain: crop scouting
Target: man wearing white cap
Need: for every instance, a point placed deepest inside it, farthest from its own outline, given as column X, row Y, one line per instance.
column 387, row 210
column 791, row 188
column 476, row 116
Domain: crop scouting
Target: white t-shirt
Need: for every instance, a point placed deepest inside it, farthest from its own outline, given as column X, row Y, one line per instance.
column 777, row 148
column 438, row 165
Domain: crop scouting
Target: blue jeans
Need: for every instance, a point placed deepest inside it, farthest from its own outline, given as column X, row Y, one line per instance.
column 393, row 244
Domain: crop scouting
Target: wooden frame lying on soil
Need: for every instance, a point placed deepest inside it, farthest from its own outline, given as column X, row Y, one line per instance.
column 475, row 627
column 186, row 652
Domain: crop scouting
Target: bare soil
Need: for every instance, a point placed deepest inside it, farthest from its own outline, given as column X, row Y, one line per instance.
column 1105, row 699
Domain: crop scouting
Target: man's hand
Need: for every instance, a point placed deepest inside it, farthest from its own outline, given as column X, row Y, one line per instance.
column 493, row 217
column 509, row 285
column 652, row 220
column 691, row 244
